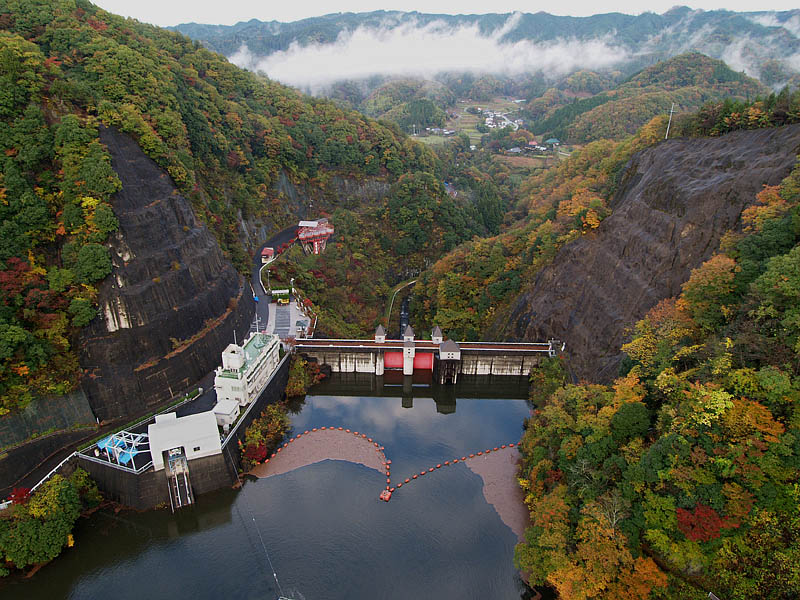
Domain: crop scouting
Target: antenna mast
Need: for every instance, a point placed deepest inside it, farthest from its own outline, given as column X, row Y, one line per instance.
column 671, row 110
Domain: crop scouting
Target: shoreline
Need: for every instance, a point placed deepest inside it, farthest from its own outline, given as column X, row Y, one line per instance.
column 497, row 469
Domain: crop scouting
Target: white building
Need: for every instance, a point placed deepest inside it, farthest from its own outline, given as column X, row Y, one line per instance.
column 246, row 369
column 449, row 350
column 226, row 412
column 196, row 435
column 409, row 351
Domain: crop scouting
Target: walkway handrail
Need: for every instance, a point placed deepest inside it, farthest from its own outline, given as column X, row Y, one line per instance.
column 108, row 463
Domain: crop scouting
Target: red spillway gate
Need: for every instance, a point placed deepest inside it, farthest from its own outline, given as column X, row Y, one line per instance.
column 393, row 360
column 423, row 361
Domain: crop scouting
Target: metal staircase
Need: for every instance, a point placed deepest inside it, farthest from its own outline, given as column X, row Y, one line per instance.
column 180, row 486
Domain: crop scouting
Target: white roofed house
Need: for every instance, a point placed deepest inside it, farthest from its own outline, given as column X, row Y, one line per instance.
column 246, row 369
column 196, row 435
column 226, row 412
column 449, row 359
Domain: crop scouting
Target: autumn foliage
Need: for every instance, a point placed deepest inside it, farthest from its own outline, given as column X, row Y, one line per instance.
column 703, row 524
column 679, row 478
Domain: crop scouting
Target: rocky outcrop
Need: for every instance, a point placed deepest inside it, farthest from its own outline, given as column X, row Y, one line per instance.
column 674, row 203
column 172, row 302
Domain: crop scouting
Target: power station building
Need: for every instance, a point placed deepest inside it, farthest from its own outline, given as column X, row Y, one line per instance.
column 246, row 369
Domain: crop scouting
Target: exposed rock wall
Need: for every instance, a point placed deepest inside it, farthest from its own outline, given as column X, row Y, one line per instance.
column 170, row 282
column 301, row 201
column 673, row 205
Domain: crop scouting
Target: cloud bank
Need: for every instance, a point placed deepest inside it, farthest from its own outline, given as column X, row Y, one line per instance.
column 792, row 24
column 411, row 49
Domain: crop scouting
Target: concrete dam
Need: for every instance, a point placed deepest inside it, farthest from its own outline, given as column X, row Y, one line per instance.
column 446, row 359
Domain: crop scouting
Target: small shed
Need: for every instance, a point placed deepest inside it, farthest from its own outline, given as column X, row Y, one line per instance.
column 449, row 350
column 226, row 413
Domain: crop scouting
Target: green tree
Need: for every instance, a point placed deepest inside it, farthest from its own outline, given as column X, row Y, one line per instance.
column 105, row 221
column 98, row 178
column 778, row 291
column 765, row 561
column 630, row 421
column 710, row 291
column 82, row 311
column 93, row 263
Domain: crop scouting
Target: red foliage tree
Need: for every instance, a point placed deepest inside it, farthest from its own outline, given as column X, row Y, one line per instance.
column 14, row 278
column 20, row 495
column 703, row 524
column 256, row 453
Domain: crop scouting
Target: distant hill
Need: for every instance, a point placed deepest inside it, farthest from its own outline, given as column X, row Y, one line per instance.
column 688, row 80
column 759, row 43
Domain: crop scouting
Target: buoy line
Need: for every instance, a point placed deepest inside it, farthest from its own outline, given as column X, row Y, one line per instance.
column 386, row 494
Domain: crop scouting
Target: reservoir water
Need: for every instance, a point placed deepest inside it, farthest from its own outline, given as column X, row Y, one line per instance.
column 327, row 534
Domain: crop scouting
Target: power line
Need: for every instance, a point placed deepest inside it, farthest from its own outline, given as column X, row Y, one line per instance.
column 263, row 545
column 258, row 530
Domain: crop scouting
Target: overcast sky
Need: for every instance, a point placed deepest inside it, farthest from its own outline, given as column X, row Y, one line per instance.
column 228, row 12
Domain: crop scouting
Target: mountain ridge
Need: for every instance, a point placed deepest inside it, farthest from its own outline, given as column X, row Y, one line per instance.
column 749, row 39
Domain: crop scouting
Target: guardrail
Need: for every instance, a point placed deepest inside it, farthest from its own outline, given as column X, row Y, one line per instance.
column 108, row 463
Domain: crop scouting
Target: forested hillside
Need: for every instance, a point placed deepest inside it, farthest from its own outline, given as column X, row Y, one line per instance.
column 471, row 290
column 224, row 136
column 395, row 239
column 465, row 291
column 682, row 477
column 689, row 81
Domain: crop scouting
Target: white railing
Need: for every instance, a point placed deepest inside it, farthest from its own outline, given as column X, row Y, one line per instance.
column 52, row 472
column 108, row 463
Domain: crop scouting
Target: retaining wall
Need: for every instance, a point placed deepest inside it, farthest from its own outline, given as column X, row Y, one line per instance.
column 57, row 413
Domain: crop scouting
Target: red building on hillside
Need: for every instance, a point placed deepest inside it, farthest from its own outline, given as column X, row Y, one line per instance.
column 313, row 235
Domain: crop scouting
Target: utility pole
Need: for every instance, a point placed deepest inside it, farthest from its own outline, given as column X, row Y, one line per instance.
column 671, row 110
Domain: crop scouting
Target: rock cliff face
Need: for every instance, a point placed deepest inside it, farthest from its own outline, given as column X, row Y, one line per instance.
column 673, row 205
column 170, row 285
column 305, row 201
